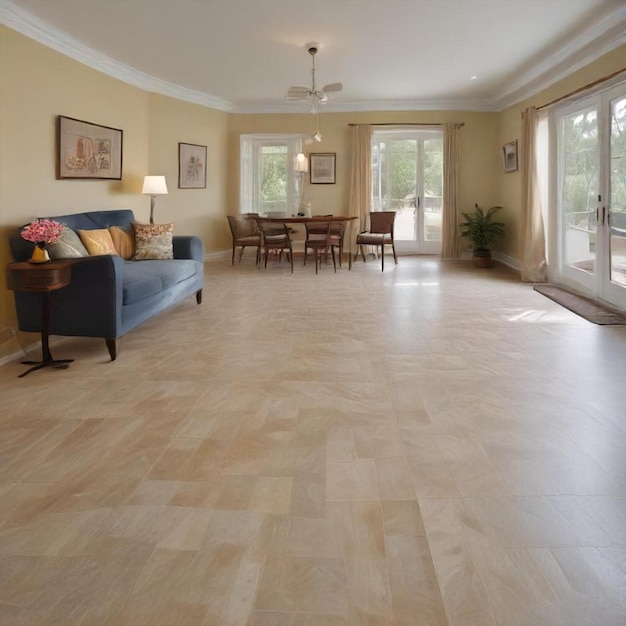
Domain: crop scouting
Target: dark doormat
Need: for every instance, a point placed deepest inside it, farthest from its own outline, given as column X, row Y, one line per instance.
column 591, row 310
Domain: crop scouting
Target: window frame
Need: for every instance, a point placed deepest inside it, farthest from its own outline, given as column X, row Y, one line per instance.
column 251, row 151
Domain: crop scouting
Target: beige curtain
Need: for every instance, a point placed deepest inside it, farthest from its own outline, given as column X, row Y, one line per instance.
column 532, row 227
column 361, row 178
column 451, row 213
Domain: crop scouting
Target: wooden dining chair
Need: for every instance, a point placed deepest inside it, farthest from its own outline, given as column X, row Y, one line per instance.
column 379, row 234
column 276, row 238
column 245, row 233
column 337, row 230
column 321, row 240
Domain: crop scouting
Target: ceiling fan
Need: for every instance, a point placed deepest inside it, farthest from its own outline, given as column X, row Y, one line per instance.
column 314, row 95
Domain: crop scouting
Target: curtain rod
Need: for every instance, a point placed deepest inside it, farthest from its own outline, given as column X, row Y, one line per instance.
column 408, row 124
column 583, row 88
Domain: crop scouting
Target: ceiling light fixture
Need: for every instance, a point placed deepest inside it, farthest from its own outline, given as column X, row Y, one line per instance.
column 313, row 96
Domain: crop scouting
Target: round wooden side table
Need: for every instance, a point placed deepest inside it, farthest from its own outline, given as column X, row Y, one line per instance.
column 41, row 278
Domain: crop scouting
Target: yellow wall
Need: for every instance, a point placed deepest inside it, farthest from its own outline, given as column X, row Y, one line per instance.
column 509, row 188
column 193, row 211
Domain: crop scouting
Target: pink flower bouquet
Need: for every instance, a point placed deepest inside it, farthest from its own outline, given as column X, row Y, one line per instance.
column 42, row 232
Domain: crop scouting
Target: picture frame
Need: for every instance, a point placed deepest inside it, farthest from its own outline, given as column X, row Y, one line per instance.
column 88, row 151
column 191, row 166
column 323, row 167
column 509, row 156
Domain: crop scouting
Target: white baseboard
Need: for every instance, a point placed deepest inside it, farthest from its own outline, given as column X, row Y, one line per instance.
column 220, row 255
column 507, row 260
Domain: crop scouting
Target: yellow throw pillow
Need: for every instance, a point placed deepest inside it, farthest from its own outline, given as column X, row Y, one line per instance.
column 98, row 241
column 124, row 242
column 153, row 241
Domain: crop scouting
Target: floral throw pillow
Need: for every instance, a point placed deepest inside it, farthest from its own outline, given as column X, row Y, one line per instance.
column 153, row 241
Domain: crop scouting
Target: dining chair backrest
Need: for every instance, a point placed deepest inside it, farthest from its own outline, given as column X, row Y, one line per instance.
column 242, row 226
column 381, row 222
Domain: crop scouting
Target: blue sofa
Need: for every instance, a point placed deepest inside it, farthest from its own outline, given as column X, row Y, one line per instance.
column 109, row 296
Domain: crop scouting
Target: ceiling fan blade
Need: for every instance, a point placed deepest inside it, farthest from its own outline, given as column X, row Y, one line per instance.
column 333, row 87
column 297, row 93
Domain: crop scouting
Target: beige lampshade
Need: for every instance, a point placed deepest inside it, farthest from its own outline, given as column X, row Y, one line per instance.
column 302, row 164
column 154, row 186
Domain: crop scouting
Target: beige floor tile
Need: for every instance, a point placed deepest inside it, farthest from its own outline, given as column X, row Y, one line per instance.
column 308, row 497
column 352, row 481
column 304, row 584
column 431, row 445
column 394, row 479
column 272, row 495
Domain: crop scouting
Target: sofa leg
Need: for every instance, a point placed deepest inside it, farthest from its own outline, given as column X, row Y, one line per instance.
column 199, row 296
column 112, row 348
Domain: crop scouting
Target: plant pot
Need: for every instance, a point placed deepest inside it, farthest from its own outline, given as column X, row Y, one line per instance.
column 482, row 258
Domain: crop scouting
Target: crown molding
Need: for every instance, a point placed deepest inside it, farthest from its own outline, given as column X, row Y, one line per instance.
column 606, row 34
column 367, row 105
column 46, row 34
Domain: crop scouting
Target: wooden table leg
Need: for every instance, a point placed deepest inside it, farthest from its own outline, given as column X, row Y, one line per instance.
column 46, row 356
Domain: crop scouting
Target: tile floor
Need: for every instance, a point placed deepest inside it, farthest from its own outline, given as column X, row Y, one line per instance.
column 432, row 445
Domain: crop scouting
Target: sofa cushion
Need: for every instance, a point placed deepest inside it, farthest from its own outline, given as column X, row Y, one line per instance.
column 145, row 279
column 69, row 246
column 98, row 241
column 124, row 242
column 153, row 241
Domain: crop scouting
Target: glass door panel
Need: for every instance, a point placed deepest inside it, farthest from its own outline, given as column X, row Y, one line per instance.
column 617, row 206
column 407, row 177
column 579, row 189
column 592, row 195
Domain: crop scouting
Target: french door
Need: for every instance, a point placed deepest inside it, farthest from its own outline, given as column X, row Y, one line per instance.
column 407, row 177
column 591, row 148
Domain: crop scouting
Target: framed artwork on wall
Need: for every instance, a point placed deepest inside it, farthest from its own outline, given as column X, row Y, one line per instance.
column 323, row 168
column 509, row 155
column 191, row 166
column 88, row 151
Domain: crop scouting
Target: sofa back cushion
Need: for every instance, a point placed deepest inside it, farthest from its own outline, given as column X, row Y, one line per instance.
column 97, row 219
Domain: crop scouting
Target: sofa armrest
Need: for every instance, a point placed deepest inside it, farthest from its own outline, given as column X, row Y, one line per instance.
column 91, row 305
column 188, row 247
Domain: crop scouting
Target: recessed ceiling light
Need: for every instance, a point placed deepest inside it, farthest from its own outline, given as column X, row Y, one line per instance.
column 473, row 77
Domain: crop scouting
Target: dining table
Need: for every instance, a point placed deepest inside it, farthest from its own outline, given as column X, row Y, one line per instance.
column 303, row 219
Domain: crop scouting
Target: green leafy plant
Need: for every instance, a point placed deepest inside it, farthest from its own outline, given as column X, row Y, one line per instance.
column 481, row 229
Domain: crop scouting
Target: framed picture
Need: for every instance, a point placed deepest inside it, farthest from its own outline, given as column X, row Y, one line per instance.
column 87, row 150
column 323, row 166
column 191, row 166
column 509, row 155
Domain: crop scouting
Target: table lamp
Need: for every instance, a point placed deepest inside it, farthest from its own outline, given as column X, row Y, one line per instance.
column 302, row 167
column 154, row 186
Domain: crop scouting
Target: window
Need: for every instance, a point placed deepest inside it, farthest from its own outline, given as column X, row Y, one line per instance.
column 268, row 178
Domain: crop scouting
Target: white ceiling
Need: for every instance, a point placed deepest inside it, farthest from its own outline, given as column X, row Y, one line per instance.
column 242, row 55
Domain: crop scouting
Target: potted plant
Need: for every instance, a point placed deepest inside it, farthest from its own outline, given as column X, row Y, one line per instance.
column 482, row 230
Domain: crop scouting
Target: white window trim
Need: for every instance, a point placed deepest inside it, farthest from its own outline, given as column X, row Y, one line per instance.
column 249, row 185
